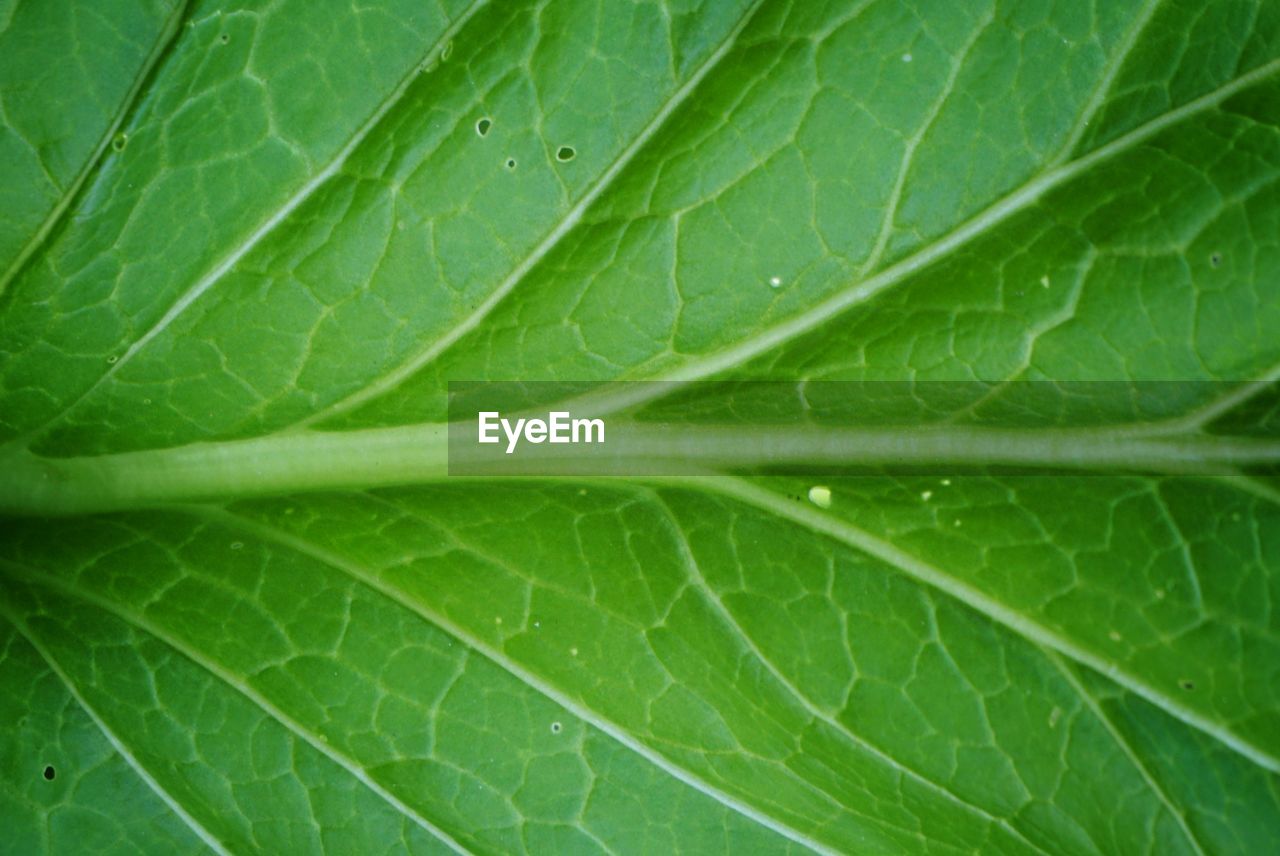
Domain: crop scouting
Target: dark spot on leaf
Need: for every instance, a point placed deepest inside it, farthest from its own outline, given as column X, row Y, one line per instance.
column 224, row 38
column 49, row 773
column 1215, row 259
column 482, row 127
column 511, row 163
column 566, row 153
column 118, row 142
column 555, row 728
column 1187, row 685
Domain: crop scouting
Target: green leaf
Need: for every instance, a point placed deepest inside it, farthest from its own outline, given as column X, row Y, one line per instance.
column 246, row 247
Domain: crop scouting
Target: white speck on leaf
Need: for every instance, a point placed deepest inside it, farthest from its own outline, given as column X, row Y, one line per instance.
column 820, row 495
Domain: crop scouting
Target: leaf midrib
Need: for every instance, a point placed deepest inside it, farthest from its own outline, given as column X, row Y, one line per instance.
column 416, row 454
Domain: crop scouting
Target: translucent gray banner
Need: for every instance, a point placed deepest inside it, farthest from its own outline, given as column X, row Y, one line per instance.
column 825, row 427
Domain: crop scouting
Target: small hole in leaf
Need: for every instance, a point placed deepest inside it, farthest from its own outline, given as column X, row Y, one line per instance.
column 119, row 142
column 483, row 126
column 511, row 163
column 566, row 153
column 49, row 773
column 555, row 727
column 1187, row 685
column 1215, row 259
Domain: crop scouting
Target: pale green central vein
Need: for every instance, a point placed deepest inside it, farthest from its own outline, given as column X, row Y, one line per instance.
column 380, row 457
